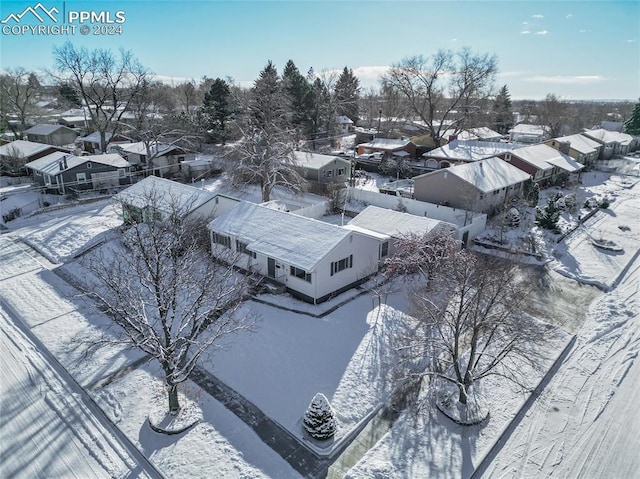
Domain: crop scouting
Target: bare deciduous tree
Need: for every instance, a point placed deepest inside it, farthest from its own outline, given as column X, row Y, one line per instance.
column 169, row 298
column 108, row 84
column 20, row 88
column 266, row 158
column 445, row 90
column 470, row 322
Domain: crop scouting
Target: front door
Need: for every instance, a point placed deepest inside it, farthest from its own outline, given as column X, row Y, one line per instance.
column 271, row 268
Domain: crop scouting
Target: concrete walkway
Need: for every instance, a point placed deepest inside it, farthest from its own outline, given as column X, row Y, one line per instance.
column 302, row 459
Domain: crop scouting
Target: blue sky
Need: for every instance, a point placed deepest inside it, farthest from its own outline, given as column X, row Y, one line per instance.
column 575, row 49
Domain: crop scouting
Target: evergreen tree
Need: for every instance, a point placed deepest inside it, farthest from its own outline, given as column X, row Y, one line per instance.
column 297, row 93
column 217, row 110
column 266, row 103
column 320, row 114
column 320, row 419
column 632, row 125
column 347, row 95
column 502, row 111
column 548, row 217
column 69, row 95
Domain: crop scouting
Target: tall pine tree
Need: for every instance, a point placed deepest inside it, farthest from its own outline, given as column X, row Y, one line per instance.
column 297, row 92
column 217, row 110
column 347, row 95
column 632, row 125
column 502, row 111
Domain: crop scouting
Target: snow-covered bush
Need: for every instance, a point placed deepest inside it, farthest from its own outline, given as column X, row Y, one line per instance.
column 319, row 418
column 604, row 203
column 512, row 217
column 570, row 202
column 548, row 216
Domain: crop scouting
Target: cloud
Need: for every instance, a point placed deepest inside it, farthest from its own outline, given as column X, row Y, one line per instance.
column 584, row 31
column 630, row 41
column 510, row 74
column 542, row 32
column 454, row 39
column 537, row 16
column 525, row 32
column 169, row 80
column 567, row 80
column 525, row 23
column 570, row 15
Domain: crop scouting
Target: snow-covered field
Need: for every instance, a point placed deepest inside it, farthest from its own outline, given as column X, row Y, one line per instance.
column 292, row 356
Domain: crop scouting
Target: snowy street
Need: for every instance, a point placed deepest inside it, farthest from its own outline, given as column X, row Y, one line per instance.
column 586, row 421
column 49, row 427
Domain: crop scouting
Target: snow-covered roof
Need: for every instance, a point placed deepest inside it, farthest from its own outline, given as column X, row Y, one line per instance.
column 45, row 129
column 386, row 144
column 537, row 155
column 95, row 137
column 22, row 148
column 480, row 133
column 606, row 136
column 484, row 132
column 314, row 160
column 566, row 163
column 140, row 148
column 299, row 241
column 580, row 143
column 486, row 175
column 344, row 120
column 395, row 223
column 531, row 130
column 50, row 164
column 458, row 150
column 166, row 195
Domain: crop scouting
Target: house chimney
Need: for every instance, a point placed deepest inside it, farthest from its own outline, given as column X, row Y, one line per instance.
column 65, row 162
column 60, row 165
column 453, row 140
column 564, row 147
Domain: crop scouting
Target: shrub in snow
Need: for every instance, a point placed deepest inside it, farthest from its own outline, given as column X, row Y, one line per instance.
column 319, row 418
column 604, row 203
column 570, row 201
column 548, row 217
column 513, row 217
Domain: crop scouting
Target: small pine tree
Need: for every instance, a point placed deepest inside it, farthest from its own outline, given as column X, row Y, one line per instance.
column 548, row 217
column 319, row 418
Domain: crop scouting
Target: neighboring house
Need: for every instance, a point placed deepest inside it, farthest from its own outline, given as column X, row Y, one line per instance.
column 313, row 260
column 345, row 125
column 612, row 125
column 613, row 142
column 482, row 186
column 322, row 168
column 155, row 196
column 478, row 134
column 524, row 133
column 91, row 143
column 56, row 135
column 14, row 155
column 544, row 163
column 388, row 147
column 164, row 160
column 579, row 147
column 387, row 225
column 459, row 151
column 74, row 118
column 66, row 173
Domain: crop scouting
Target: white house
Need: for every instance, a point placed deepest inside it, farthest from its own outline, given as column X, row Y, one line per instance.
column 524, row 133
column 388, row 225
column 322, row 168
column 313, row 260
column 155, row 195
column 613, row 143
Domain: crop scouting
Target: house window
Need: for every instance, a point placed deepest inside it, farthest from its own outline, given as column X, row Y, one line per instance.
column 341, row 265
column 89, row 166
column 81, row 177
column 496, row 192
column 482, row 196
column 328, row 173
column 300, row 273
column 222, row 240
column 38, row 173
column 242, row 248
column 385, row 249
column 121, row 172
column 341, row 171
